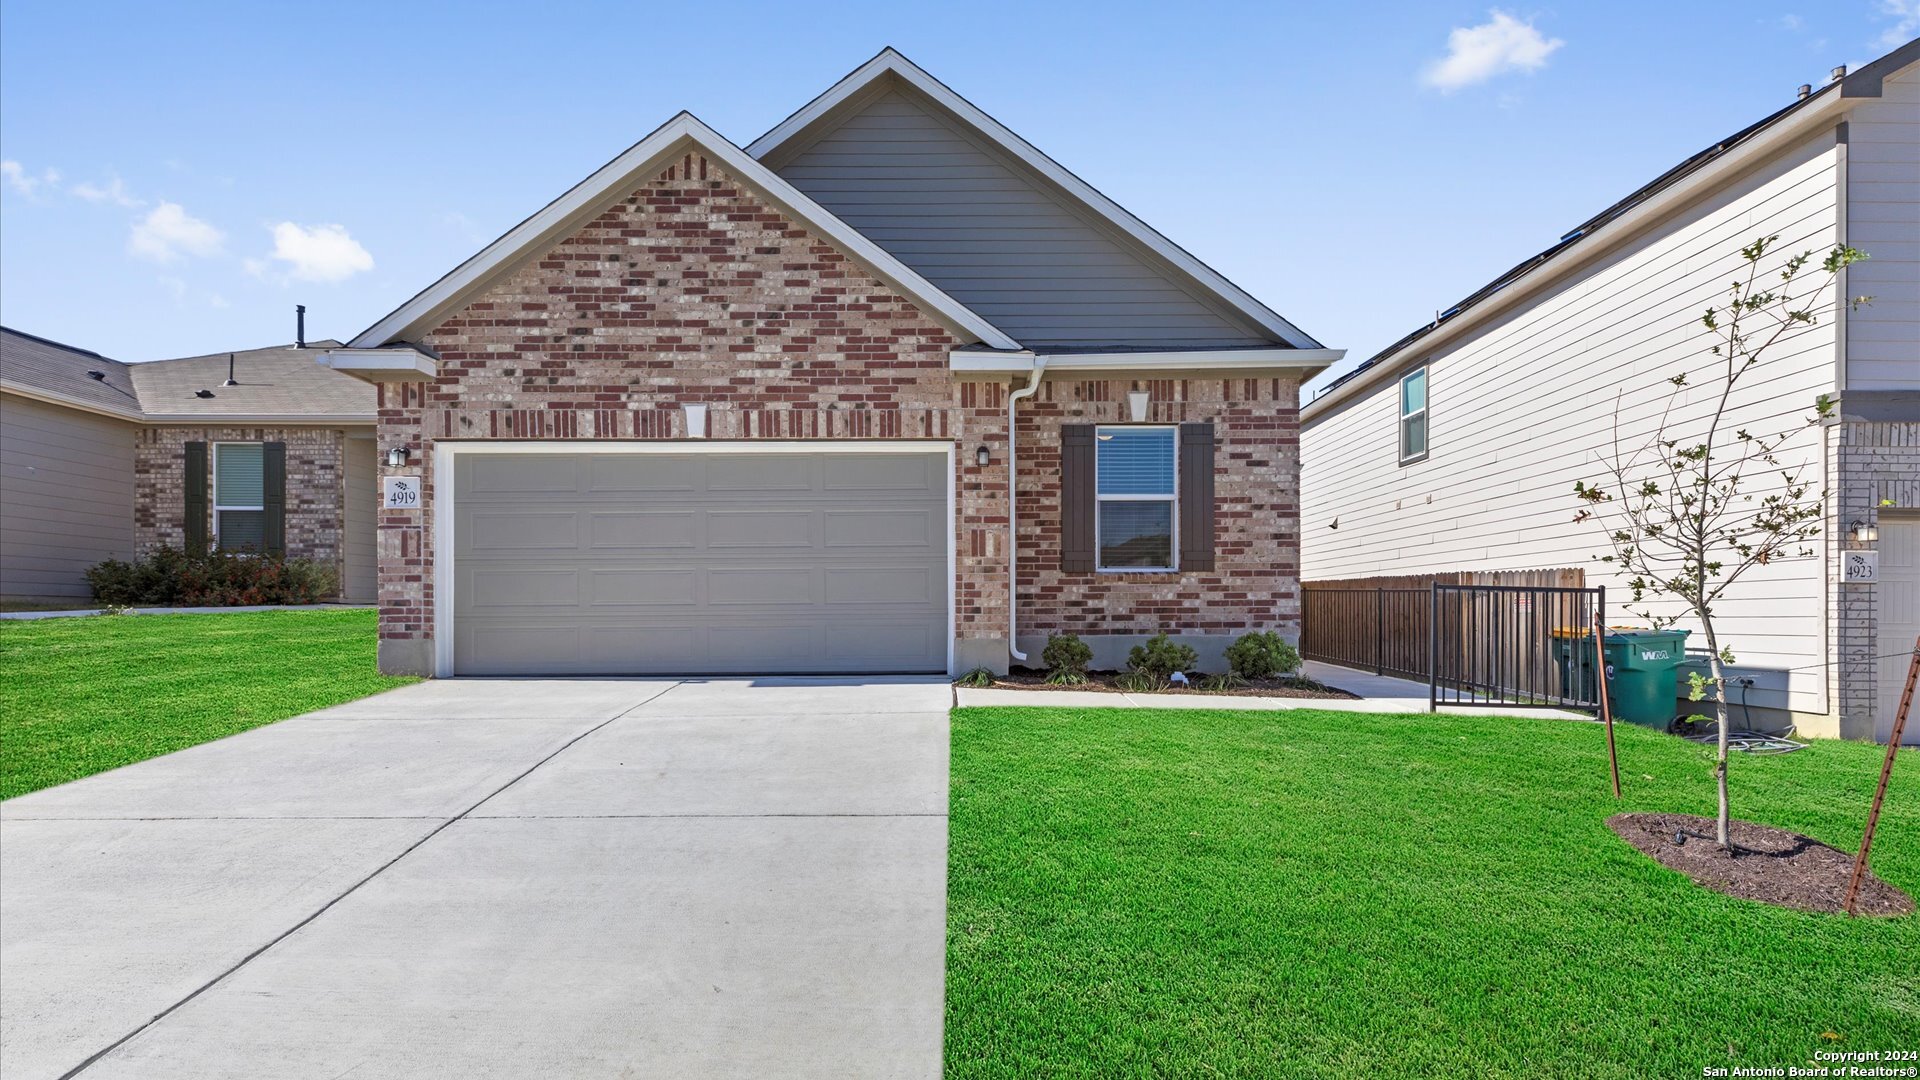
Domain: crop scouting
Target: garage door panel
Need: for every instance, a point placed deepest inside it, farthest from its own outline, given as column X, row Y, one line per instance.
column 649, row 588
column 507, row 530
column 759, row 528
column 722, row 563
column 661, row 530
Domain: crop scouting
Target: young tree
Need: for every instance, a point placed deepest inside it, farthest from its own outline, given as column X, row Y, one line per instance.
column 1695, row 506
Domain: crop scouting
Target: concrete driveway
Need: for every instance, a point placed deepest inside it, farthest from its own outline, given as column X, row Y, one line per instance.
column 497, row 878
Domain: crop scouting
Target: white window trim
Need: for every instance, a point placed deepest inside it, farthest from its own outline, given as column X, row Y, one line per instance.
column 1171, row 500
column 213, row 487
column 1400, row 427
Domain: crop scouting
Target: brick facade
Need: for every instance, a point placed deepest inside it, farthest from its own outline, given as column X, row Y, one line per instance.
column 316, row 491
column 692, row 289
column 1875, row 462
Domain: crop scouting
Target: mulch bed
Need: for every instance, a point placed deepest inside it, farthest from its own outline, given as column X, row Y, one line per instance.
column 1770, row 865
column 1102, row 682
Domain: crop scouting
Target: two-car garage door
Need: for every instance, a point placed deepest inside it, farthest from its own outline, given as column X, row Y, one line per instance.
column 699, row 562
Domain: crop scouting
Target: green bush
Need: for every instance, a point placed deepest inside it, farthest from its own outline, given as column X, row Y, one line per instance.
column 171, row 578
column 1159, row 658
column 979, row 676
column 1066, row 657
column 1262, row 656
column 1138, row 682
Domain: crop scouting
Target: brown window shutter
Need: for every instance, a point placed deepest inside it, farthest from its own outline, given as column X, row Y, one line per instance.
column 273, row 470
column 1196, row 496
column 1076, row 498
column 196, row 507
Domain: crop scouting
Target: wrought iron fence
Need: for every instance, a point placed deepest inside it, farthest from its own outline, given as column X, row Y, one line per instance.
column 1494, row 646
column 1379, row 630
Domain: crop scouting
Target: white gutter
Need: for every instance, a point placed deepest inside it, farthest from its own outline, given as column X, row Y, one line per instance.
column 1013, row 533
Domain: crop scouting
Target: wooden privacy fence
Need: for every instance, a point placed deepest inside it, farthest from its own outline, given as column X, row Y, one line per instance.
column 1491, row 636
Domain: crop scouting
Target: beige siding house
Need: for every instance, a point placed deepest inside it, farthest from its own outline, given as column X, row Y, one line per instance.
column 1513, row 394
column 97, row 459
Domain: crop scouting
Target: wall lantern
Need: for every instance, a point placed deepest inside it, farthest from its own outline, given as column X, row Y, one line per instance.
column 983, row 457
column 696, row 420
column 1137, row 401
column 397, row 456
column 1864, row 533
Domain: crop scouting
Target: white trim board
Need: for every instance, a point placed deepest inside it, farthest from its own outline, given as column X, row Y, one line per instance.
column 445, row 450
column 678, row 136
column 891, row 62
column 1293, row 361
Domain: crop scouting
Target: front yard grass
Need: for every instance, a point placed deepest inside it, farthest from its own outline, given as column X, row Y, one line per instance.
column 82, row 695
column 1304, row 893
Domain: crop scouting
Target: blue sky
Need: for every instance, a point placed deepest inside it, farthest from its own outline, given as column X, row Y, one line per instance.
column 174, row 183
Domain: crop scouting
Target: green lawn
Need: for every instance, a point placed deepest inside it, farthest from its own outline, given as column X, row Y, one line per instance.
column 1198, row 894
column 83, row 695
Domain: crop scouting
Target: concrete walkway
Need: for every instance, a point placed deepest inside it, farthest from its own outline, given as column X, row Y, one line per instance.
column 1378, row 693
column 477, row 878
column 78, row 613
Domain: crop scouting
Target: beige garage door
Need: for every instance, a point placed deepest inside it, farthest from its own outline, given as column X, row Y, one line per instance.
column 700, row 563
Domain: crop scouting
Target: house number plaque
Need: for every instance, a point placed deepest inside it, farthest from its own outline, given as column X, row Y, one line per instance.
column 402, row 493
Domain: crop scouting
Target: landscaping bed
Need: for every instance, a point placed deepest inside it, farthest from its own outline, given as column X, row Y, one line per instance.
column 1770, row 865
column 1288, row 686
column 1223, row 892
column 87, row 694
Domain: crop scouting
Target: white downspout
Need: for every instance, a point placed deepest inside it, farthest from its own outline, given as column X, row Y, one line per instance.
column 1013, row 533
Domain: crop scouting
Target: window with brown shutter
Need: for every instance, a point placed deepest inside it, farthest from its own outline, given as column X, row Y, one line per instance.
column 1076, row 498
column 1196, row 497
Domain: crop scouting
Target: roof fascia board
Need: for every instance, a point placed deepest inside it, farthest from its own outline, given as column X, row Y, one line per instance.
column 892, row 62
column 1602, row 240
column 44, row 397
column 1292, row 361
column 381, row 365
column 670, row 139
column 274, row 419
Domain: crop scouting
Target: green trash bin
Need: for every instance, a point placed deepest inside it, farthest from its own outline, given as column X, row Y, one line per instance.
column 1642, row 671
column 1573, row 655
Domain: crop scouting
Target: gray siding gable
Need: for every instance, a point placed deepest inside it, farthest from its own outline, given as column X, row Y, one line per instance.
column 995, row 236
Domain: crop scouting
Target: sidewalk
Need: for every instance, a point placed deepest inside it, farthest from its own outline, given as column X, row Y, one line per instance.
column 1378, row 694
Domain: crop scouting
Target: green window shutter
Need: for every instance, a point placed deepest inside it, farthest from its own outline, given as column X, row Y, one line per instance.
column 274, row 482
column 1077, row 497
column 1196, row 496
column 196, row 489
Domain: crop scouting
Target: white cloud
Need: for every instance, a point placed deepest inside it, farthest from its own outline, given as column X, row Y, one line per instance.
column 19, row 179
column 1906, row 22
column 318, row 252
column 114, row 191
column 168, row 232
column 1495, row 47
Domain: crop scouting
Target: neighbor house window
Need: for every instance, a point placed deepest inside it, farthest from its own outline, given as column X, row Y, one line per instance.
column 1134, row 470
column 1413, row 416
column 239, row 497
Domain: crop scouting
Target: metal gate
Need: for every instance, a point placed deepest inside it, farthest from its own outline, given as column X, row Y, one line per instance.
column 1494, row 646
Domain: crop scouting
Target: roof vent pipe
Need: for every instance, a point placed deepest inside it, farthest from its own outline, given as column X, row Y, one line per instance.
column 1013, row 533
column 1806, row 90
column 230, row 381
column 299, row 326
column 1839, row 73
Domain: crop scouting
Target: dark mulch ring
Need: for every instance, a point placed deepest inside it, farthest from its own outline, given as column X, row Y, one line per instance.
column 1770, row 865
column 1295, row 686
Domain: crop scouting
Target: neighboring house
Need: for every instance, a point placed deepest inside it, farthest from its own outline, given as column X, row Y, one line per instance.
column 753, row 410
column 100, row 459
column 1456, row 449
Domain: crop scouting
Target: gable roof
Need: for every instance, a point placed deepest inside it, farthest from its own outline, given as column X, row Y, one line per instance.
column 890, row 67
column 617, row 179
column 281, row 382
column 45, row 369
column 1722, row 158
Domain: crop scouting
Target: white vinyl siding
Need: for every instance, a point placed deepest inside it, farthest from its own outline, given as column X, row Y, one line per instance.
column 1534, row 395
column 239, row 496
column 1883, row 220
column 1136, row 511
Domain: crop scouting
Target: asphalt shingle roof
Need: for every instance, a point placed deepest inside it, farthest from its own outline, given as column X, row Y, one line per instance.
column 60, row 371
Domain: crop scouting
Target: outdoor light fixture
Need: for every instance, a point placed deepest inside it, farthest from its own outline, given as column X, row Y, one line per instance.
column 397, row 456
column 983, row 457
column 1137, row 401
column 1864, row 533
column 696, row 420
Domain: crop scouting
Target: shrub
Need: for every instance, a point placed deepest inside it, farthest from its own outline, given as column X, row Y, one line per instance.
column 1262, row 656
column 1138, row 682
column 169, row 577
column 1066, row 657
column 1225, row 681
column 1159, row 658
column 977, row 677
